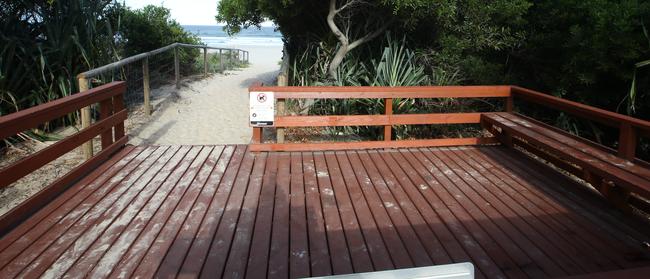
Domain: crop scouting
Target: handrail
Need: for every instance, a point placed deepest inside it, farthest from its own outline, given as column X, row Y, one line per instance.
column 606, row 117
column 84, row 84
column 387, row 120
column 110, row 127
column 630, row 128
column 22, row 120
column 117, row 64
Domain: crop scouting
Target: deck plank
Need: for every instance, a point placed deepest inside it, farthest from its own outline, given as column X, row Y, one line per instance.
column 195, row 258
column 545, row 218
column 238, row 257
column 321, row 265
column 430, row 241
column 177, row 253
column 174, row 211
column 219, row 249
column 86, row 262
column 376, row 246
column 299, row 242
column 538, row 248
column 408, row 234
column 336, row 240
column 145, row 229
column 53, row 242
column 361, row 261
column 225, row 211
column 261, row 242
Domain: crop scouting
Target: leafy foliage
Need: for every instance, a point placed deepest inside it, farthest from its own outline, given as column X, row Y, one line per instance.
column 45, row 44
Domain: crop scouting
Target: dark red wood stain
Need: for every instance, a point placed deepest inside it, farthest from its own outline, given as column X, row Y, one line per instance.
column 224, row 211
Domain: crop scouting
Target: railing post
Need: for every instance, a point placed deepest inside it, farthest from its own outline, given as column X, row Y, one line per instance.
column 229, row 58
column 279, row 135
column 87, row 147
column 510, row 104
column 105, row 111
column 627, row 142
column 145, row 86
column 205, row 62
column 388, row 129
column 177, row 64
column 257, row 135
column 221, row 60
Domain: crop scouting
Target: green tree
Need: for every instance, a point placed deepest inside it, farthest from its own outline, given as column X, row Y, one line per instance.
column 150, row 28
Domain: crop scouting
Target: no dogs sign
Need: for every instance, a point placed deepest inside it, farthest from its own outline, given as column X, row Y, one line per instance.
column 262, row 109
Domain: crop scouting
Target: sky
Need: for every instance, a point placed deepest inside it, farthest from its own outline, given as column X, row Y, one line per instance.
column 186, row 12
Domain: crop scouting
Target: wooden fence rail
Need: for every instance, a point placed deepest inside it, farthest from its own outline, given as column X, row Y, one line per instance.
column 110, row 127
column 387, row 120
column 83, row 79
column 630, row 128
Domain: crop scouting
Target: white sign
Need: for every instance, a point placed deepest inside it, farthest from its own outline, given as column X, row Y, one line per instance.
column 262, row 109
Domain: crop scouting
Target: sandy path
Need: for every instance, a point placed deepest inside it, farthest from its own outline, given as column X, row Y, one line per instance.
column 210, row 111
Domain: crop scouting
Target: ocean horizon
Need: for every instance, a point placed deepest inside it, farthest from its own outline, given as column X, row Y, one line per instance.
column 214, row 36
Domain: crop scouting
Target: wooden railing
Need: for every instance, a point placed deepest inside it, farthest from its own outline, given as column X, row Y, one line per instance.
column 630, row 128
column 387, row 120
column 110, row 127
column 84, row 78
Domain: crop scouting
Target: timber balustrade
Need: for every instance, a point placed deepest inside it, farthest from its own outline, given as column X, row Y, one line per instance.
column 630, row 128
column 387, row 120
column 110, row 127
column 85, row 77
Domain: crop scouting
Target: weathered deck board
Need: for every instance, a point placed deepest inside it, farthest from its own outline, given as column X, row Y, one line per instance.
column 222, row 211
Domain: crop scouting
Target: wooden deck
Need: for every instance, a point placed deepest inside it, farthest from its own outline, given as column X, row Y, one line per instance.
column 222, row 211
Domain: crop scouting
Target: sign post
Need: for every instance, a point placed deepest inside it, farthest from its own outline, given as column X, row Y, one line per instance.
column 262, row 109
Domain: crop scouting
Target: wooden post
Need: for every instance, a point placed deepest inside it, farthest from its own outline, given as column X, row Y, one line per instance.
column 510, row 104
column 145, row 86
column 205, row 62
column 229, row 58
column 279, row 132
column 105, row 111
column 87, row 147
column 627, row 142
column 177, row 65
column 221, row 60
column 257, row 135
column 388, row 129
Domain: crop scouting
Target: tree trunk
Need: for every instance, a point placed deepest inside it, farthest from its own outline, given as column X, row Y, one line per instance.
column 337, row 60
column 345, row 46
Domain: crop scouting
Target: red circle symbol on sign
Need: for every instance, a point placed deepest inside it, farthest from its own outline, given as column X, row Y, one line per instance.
column 261, row 97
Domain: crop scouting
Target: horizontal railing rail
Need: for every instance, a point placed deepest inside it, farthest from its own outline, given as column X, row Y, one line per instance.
column 117, row 64
column 110, row 127
column 84, row 78
column 387, row 120
column 630, row 128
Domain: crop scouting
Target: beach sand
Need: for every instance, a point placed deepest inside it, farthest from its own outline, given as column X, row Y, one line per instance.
column 212, row 110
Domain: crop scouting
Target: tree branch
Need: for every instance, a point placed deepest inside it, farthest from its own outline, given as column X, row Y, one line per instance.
column 370, row 36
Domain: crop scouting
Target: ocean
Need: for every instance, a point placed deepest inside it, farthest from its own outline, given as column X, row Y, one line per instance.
column 214, row 36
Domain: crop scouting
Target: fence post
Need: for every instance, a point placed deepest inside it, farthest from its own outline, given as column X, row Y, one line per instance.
column 177, row 65
column 145, row 86
column 229, row 58
column 205, row 62
column 283, row 80
column 388, row 129
column 87, row 147
column 627, row 141
column 221, row 60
